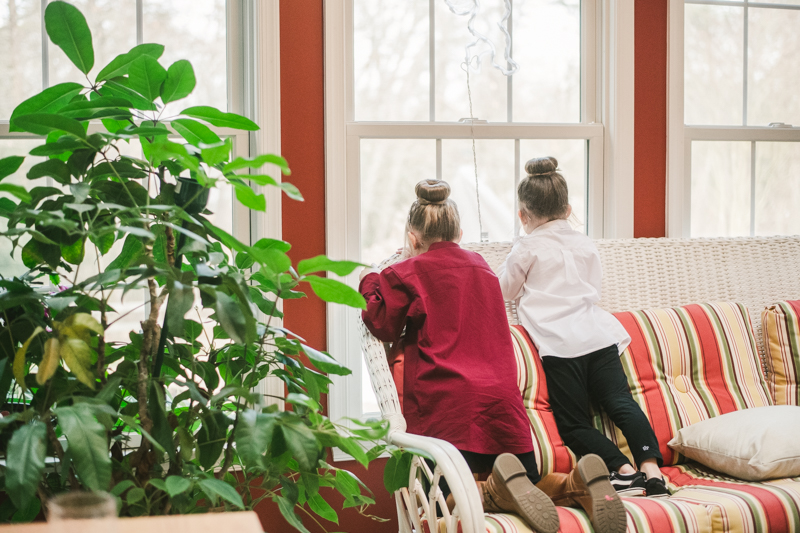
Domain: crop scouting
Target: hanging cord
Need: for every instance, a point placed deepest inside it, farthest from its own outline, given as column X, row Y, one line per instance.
column 484, row 236
column 472, row 12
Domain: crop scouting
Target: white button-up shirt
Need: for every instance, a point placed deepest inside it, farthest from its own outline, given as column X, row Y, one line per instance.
column 555, row 273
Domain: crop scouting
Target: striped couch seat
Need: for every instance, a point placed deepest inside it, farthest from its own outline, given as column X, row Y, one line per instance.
column 684, row 365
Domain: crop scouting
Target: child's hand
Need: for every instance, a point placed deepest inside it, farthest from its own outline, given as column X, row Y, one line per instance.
column 367, row 270
column 404, row 253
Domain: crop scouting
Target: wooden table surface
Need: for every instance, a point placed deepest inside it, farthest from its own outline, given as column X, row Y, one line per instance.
column 234, row 522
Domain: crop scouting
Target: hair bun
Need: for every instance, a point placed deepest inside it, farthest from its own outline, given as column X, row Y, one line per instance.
column 541, row 166
column 432, row 191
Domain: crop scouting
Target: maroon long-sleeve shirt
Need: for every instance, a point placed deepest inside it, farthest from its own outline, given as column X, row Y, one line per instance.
column 460, row 374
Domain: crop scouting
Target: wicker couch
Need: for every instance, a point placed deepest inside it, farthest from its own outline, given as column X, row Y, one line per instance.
column 638, row 274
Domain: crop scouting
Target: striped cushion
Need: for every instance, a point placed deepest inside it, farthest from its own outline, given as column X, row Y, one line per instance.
column 551, row 454
column 644, row 516
column 781, row 323
column 736, row 506
column 688, row 364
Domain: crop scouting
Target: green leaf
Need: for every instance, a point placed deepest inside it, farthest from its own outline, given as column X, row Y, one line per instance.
column 216, row 488
column 334, row 291
column 112, row 88
column 301, row 443
column 44, row 123
column 53, row 168
column 257, row 162
column 134, row 495
column 325, row 362
column 48, row 101
column 159, row 484
column 119, row 65
column 17, row 190
column 215, row 117
column 73, row 253
column 175, row 485
column 396, row 472
column 163, row 150
column 322, row 263
column 291, row 191
column 9, row 165
column 180, row 81
column 287, row 510
column 248, row 197
column 86, row 109
column 25, row 462
column 195, row 132
column 351, row 446
column 87, row 446
column 254, row 436
column 211, row 438
column 323, row 508
column 181, row 300
column 66, row 26
column 36, row 253
column 131, row 250
column 231, row 318
column 162, row 432
column 121, row 487
column 145, row 76
column 216, row 153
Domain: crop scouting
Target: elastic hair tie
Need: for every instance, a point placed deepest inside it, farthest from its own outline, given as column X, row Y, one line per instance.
column 545, row 173
column 423, row 201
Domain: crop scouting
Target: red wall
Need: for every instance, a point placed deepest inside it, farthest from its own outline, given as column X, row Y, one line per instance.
column 650, row 119
column 302, row 144
column 302, row 139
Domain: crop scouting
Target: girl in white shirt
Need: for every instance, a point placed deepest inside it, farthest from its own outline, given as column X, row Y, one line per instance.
column 554, row 272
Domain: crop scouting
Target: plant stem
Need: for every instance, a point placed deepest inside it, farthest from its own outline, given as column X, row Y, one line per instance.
column 51, row 434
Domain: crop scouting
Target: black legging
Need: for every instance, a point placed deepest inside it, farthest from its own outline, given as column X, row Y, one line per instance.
column 597, row 378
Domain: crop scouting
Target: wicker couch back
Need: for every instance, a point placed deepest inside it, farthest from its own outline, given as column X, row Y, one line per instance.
column 657, row 273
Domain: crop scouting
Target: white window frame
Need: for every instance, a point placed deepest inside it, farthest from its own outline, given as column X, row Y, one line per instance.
column 607, row 123
column 253, row 63
column 680, row 136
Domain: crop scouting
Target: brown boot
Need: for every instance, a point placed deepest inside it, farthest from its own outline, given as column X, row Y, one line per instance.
column 508, row 489
column 588, row 486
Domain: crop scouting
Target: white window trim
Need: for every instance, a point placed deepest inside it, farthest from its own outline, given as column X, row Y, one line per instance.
column 611, row 196
column 680, row 136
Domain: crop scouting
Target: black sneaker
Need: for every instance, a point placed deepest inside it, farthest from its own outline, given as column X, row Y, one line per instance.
column 657, row 488
column 629, row 485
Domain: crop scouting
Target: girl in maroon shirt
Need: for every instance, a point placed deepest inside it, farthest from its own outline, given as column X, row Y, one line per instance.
column 459, row 367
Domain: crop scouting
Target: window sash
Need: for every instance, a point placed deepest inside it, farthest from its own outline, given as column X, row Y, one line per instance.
column 680, row 135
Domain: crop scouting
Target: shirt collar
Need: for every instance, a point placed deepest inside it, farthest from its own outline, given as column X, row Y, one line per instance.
column 442, row 244
column 552, row 225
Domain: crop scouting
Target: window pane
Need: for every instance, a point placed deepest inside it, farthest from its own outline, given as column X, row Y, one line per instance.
column 713, row 64
column 773, row 66
column 496, row 182
column 193, row 30
column 571, row 155
column 777, row 188
column 21, row 59
column 720, row 189
column 12, row 266
column 488, row 86
column 547, row 46
column 113, row 27
column 390, row 168
column 391, row 59
column 369, row 403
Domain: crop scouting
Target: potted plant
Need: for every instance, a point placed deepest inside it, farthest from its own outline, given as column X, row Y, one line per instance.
column 169, row 421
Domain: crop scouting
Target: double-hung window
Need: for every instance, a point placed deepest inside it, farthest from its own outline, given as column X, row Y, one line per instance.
column 401, row 107
column 228, row 43
column 734, row 148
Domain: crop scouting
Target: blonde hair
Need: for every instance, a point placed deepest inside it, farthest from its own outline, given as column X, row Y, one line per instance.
column 544, row 193
column 433, row 216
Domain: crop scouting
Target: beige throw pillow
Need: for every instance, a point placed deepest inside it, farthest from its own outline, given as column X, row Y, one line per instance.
column 752, row 444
